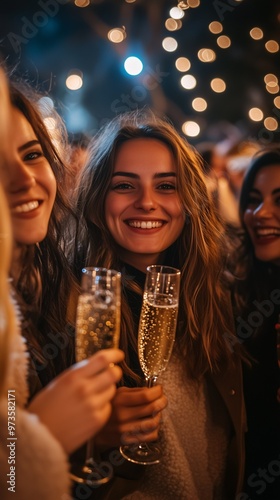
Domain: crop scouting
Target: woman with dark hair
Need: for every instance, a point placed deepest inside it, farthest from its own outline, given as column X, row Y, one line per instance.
column 257, row 306
column 141, row 201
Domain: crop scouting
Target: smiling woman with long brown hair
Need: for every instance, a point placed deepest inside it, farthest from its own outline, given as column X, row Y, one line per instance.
column 142, row 200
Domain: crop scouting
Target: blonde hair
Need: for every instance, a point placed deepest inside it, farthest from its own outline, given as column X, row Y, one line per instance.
column 7, row 313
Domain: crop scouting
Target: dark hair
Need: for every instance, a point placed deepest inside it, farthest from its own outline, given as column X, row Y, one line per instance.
column 45, row 279
column 254, row 277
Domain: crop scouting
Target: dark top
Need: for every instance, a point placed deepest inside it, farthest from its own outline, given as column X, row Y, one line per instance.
column 261, row 381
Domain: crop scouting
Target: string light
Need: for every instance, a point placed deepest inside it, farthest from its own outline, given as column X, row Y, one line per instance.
column 173, row 24
column 272, row 89
column 182, row 64
column 218, row 85
column 176, row 13
column 215, row 27
column 270, row 78
column 272, row 46
column 188, row 82
column 206, row 55
column 193, row 3
column 199, row 104
column 191, row 129
column 117, row 35
column 224, row 42
column 169, row 44
column 74, row 80
column 255, row 114
column 270, row 123
column 82, row 3
column 256, row 33
column 276, row 102
column 183, row 5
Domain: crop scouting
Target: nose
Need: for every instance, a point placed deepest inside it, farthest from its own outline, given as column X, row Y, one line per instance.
column 146, row 200
column 263, row 210
column 18, row 177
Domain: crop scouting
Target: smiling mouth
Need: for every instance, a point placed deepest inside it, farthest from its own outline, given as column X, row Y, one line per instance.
column 148, row 224
column 267, row 232
column 26, row 207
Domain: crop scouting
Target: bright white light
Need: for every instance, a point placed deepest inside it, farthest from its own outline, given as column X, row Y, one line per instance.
column 188, row 82
column 133, row 65
column 74, row 81
column 176, row 13
column 191, row 129
column 169, row 44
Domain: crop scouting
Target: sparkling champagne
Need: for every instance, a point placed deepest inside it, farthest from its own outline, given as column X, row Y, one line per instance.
column 156, row 336
column 97, row 325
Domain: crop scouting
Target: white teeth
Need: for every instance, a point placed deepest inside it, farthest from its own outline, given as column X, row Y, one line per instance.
column 145, row 224
column 26, row 207
column 267, row 232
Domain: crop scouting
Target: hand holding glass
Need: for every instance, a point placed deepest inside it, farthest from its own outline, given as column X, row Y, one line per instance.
column 156, row 335
column 97, row 327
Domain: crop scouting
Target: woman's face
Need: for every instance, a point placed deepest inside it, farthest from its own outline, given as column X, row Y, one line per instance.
column 262, row 215
column 29, row 183
column 143, row 211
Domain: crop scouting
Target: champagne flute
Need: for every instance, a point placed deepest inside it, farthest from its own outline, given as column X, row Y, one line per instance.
column 97, row 327
column 156, row 335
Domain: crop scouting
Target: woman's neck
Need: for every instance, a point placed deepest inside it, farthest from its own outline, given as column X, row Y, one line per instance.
column 141, row 262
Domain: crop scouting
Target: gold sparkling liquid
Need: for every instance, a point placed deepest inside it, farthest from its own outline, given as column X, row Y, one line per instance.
column 156, row 335
column 97, row 326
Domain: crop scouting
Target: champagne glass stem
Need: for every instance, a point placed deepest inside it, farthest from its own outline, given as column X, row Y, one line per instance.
column 89, row 452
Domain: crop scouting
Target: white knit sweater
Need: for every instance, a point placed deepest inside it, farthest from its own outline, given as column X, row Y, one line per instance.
column 195, row 432
column 41, row 467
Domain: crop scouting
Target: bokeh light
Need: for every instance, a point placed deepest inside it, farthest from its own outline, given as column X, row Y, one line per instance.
column 199, row 104
column 169, row 44
column 218, row 85
column 256, row 33
column 255, row 114
column 133, row 65
column 215, row 27
column 182, row 64
column 191, row 128
column 188, row 82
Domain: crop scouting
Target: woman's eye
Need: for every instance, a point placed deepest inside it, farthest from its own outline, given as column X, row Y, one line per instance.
column 33, row 155
column 166, row 186
column 122, row 186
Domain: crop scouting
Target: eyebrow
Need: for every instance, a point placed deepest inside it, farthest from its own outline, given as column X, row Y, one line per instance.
column 136, row 176
column 29, row 144
column 257, row 191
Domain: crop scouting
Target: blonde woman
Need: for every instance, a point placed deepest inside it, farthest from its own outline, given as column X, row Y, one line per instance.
column 36, row 439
